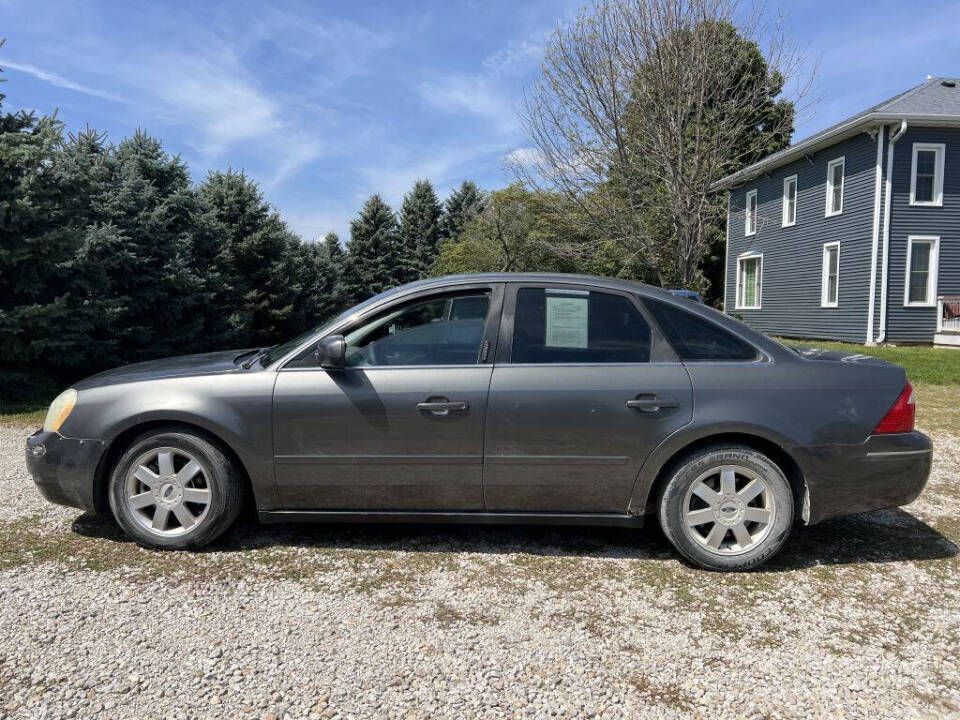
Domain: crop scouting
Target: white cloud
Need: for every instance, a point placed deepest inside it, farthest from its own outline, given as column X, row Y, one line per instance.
column 524, row 156
column 475, row 94
column 58, row 80
column 516, row 58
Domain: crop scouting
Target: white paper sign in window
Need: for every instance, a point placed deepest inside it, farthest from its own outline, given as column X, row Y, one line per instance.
column 566, row 322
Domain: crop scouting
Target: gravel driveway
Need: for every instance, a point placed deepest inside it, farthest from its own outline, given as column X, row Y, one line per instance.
column 858, row 617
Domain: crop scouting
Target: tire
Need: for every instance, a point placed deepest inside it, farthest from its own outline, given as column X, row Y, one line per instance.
column 163, row 501
column 740, row 529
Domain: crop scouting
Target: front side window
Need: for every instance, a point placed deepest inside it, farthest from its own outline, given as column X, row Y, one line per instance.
column 695, row 338
column 749, row 274
column 835, row 186
column 926, row 178
column 750, row 214
column 921, row 271
column 830, row 289
column 790, row 201
column 557, row 325
column 440, row 331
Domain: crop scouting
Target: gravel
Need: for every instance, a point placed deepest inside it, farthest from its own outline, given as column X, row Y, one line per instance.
column 858, row 617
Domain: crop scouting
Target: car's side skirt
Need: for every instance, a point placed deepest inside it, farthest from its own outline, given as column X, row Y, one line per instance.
column 456, row 518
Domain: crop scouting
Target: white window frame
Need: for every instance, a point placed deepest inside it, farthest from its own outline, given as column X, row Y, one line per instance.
column 941, row 150
column 825, row 276
column 842, row 162
column 738, row 299
column 787, row 181
column 749, row 214
column 934, row 241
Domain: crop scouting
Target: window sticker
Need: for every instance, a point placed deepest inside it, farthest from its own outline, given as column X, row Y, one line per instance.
column 566, row 322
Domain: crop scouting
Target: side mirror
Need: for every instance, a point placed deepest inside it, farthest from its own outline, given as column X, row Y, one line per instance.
column 331, row 352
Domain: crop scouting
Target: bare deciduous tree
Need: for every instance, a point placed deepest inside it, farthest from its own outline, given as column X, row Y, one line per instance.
column 641, row 107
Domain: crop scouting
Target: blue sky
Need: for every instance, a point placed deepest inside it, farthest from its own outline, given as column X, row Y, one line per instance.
column 324, row 103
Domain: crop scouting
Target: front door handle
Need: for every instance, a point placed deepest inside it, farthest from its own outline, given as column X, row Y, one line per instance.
column 442, row 407
column 650, row 403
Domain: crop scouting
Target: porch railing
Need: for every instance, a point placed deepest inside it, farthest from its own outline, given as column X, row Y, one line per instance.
column 948, row 314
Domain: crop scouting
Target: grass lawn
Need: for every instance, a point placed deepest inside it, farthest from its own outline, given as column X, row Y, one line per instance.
column 924, row 365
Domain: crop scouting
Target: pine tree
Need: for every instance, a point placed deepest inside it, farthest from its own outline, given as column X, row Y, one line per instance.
column 151, row 207
column 419, row 231
column 335, row 257
column 262, row 286
column 370, row 265
column 463, row 204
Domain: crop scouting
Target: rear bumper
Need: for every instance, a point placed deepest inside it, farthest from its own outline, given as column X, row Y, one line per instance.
column 64, row 468
column 885, row 471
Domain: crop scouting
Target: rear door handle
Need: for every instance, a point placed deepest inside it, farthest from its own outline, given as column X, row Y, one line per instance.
column 444, row 407
column 650, row 403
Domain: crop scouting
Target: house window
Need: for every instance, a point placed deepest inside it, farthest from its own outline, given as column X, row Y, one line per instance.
column 835, row 187
column 830, row 288
column 789, row 201
column 749, row 280
column 921, row 272
column 926, row 174
column 750, row 214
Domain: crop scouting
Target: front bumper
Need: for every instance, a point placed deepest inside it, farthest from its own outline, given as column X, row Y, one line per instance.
column 885, row 471
column 64, row 468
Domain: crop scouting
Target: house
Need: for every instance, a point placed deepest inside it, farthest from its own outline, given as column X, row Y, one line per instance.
column 854, row 233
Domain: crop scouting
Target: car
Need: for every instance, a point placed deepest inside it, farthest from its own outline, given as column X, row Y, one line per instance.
column 688, row 294
column 496, row 398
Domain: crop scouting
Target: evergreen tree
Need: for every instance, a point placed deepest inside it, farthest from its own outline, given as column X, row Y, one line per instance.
column 335, row 256
column 151, row 207
column 370, row 265
column 463, row 204
column 262, row 287
column 419, row 231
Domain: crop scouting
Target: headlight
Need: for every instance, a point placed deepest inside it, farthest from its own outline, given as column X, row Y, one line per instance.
column 60, row 410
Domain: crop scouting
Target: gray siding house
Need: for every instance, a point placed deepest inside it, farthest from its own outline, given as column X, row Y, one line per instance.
column 854, row 233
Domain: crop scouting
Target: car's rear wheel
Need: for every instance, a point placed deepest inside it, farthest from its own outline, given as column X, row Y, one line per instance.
column 174, row 489
column 727, row 508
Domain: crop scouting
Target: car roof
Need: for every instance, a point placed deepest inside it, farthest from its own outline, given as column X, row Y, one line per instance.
column 536, row 277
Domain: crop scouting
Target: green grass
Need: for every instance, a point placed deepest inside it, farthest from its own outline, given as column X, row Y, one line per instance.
column 924, row 365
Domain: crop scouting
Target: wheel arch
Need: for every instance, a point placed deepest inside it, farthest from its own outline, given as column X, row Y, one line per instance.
column 647, row 496
column 119, row 443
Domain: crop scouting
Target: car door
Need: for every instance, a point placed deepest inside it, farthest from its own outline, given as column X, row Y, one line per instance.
column 582, row 391
column 401, row 427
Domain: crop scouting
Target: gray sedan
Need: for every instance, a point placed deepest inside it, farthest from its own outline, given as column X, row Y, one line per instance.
column 498, row 398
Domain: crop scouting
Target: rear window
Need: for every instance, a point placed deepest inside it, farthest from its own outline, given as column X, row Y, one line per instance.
column 694, row 338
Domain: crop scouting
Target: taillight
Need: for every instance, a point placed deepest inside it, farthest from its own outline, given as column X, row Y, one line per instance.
column 901, row 416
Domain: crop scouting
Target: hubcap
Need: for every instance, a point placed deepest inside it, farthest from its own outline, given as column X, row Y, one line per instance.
column 167, row 491
column 728, row 510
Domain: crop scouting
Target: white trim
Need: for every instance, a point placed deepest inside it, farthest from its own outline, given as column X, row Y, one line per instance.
column 749, row 214
column 759, row 287
column 825, row 276
column 932, row 268
column 829, row 138
column 895, row 135
column 785, row 222
column 842, row 162
column 875, row 237
column 940, row 149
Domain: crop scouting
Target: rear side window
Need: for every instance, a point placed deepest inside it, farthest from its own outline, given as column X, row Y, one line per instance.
column 577, row 326
column 694, row 338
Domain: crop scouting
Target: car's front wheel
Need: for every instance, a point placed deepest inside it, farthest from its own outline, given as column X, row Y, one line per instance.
column 174, row 489
column 727, row 508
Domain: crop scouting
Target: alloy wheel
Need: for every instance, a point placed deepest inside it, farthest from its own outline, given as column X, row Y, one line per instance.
column 729, row 510
column 167, row 491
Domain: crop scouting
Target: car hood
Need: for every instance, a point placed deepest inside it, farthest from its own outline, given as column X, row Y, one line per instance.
column 182, row 366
